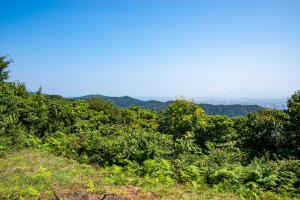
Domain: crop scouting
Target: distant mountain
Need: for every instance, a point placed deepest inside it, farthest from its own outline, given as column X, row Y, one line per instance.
column 273, row 103
column 127, row 101
column 228, row 110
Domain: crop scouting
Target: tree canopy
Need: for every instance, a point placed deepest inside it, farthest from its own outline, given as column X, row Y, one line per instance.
column 4, row 63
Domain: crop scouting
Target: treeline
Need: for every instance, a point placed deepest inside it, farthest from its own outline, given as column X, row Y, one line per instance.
column 227, row 110
column 256, row 156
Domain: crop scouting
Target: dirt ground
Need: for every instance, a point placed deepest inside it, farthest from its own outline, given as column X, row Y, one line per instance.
column 131, row 193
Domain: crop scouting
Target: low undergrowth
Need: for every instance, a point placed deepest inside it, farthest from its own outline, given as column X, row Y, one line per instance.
column 35, row 174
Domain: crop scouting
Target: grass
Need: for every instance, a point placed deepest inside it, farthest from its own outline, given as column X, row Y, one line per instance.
column 32, row 174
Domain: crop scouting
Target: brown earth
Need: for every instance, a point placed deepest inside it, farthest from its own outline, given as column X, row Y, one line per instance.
column 130, row 193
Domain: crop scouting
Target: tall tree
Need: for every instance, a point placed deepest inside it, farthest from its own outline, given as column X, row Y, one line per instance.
column 182, row 118
column 3, row 68
column 264, row 131
column 294, row 121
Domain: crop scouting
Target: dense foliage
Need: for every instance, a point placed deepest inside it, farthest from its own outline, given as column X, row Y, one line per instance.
column 252, row 156
column 210, row 109
column 3, row 68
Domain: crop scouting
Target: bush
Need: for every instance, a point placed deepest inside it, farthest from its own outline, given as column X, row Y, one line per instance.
column 158, row 172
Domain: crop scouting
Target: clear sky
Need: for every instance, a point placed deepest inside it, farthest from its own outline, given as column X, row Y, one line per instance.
column 212, row 48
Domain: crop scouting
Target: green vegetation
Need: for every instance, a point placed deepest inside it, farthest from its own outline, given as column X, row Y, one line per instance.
column 3, row 68
column 91, row 147
column 35, row 174
column 228, row 110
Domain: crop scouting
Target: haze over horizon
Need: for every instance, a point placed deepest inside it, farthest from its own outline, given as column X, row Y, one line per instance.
column 229, row 49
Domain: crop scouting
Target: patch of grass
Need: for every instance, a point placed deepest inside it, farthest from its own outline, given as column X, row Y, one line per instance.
column 33, row 174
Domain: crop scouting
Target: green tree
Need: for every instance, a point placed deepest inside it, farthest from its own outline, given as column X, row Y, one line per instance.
column 4, row 73
column 12, row 131
column 107, row 107
column 264, row 131
column 139, row 117
column 182, row 118
column 294, row 122
column 219, row 129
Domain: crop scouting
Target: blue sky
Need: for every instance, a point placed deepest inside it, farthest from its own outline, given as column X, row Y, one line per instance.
column 212, row 48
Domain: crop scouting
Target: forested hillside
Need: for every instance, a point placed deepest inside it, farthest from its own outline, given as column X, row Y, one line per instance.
column 52, row 146
column 228, row 110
